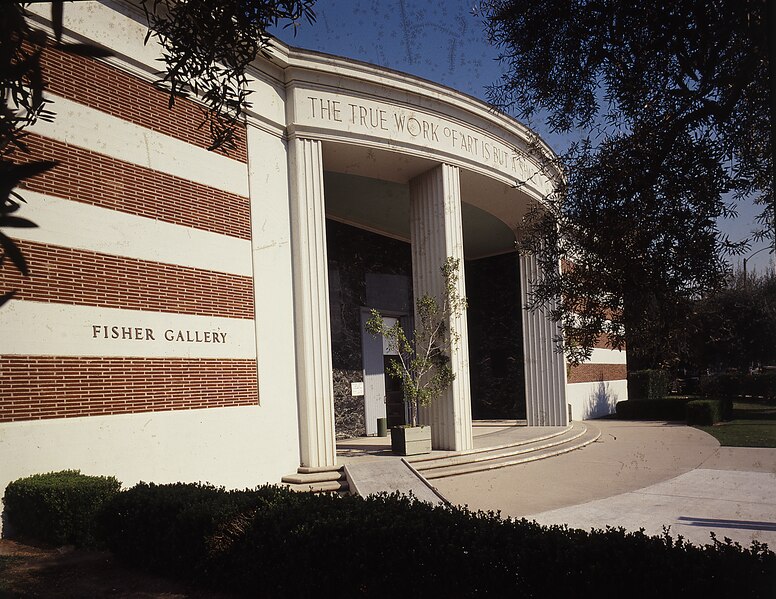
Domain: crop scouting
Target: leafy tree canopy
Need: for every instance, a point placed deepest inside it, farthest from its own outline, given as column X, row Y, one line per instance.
column 672, row 102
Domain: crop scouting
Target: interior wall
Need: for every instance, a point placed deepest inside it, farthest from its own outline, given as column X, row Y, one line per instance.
column 359, row 264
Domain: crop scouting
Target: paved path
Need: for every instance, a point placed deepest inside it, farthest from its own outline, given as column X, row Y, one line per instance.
column 639, row 474
column 377, row 476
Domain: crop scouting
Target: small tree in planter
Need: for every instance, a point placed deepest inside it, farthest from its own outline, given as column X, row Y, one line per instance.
column 423, row 364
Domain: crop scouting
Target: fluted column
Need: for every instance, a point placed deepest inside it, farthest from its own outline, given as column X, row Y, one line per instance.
column 545, row 368
column 311, row 305
column 435, row 215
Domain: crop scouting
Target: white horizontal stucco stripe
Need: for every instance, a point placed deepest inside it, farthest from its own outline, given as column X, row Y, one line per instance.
column 93, row 228
column 106, row 25
column 100, row 132
column 43, row 329
column 608, row 356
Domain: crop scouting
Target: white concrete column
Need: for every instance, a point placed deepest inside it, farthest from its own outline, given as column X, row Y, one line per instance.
column 315, row 393
column 435, row 221
column 545, row 368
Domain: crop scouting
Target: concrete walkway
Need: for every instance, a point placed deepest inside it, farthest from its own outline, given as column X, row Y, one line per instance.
column 376, row 476
column 638, row 475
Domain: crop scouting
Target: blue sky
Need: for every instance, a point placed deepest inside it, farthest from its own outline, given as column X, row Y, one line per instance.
column 442, row 41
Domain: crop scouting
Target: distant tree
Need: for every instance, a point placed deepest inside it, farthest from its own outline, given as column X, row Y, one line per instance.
column 207, row 47
column 669, row 102
column 734, row 327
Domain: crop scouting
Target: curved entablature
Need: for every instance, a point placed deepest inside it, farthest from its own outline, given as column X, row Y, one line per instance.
column 349, row 102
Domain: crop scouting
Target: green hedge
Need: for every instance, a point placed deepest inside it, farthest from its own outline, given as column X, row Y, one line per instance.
column 648, row 384
column 761, row 385
column 718, row 386
column 706, row 411
column 272, row 543
column 652, row 409
column 169, row 528
column 732, row 385
column 58, row 507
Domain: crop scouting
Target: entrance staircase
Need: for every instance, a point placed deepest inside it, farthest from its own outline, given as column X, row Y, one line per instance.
column 328, row 479
column 444, row 464
column 576, row 436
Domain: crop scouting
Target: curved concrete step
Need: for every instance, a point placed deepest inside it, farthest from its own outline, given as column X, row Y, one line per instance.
column 317, row 480
column 490, row 448
column 556, row 437
column 338, row 486
column 577, row 436
column 301, row 478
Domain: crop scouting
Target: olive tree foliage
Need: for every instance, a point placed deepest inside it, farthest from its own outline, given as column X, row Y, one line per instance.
column 207, row 48
column 668, row 105
column 423, row 360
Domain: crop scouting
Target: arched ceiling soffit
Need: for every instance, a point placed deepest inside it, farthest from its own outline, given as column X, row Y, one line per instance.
column 508, row 204
column 382, row 206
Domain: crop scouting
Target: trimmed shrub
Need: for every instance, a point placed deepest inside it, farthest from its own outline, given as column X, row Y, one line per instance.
column 761, row 385
column 58, row 508
column 686, row 386
column 706, row 411
column 288, row 545
column 648, row 384
column 767, row 385
column 169, row 528
column 719, row 386
column 652, row 409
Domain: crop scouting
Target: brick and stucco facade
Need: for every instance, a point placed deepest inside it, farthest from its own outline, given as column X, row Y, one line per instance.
column 176, row 322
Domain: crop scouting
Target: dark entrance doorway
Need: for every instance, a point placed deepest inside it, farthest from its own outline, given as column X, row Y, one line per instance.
column 394, row 397
column 495, row 337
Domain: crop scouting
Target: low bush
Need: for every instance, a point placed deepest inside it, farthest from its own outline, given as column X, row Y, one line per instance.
column 273, row 543
column 58, row 508
column 719, row 386
column 686, row 386
column 648, row 384
column 170, row 528
column 761, row 385
column 706, row 411
column 652, row 409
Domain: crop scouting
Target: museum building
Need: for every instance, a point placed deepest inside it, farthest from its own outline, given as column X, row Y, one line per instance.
column 196, row 315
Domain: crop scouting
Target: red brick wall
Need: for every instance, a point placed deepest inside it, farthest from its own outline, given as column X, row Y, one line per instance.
column 588, row 373
column 36, row 387
column 603, row 343
column 63, row 387
column 70, row 276
column 106, row 88
column 92, row 178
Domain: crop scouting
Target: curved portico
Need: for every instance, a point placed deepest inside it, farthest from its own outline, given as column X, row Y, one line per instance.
column 454, row 155
column 207, row 321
